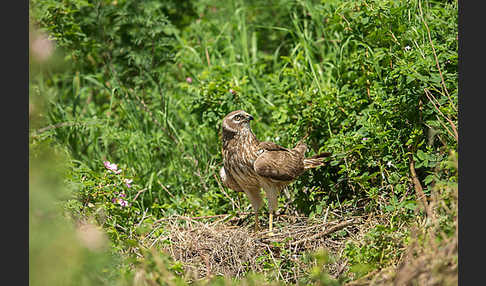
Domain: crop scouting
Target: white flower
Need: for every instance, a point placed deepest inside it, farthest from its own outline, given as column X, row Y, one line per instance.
column 127, row 182
column 112, row 167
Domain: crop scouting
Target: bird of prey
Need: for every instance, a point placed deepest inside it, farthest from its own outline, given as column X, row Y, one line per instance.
column 250, row 165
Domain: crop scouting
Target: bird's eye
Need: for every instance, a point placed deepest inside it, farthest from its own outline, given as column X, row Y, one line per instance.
column 238, row 117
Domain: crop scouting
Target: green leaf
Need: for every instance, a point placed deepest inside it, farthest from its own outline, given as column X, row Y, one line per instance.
column 421, row 155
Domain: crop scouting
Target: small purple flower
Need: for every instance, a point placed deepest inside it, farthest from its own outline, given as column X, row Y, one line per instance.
column 366, row 139
column 107, row 164
column 188, row 79
column 128, row 182
column 232, row 91
column 122, row 202
column 123, row 195
column 112, row 167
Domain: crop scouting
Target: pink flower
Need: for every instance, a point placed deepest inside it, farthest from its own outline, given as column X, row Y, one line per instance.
column 42, row 47
column 112, row 167
column 188, row 80
column 122, row 202
column 232, row 91
column 127, row 182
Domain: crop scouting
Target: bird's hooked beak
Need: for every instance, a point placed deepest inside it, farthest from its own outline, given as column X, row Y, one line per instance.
column 247, row 120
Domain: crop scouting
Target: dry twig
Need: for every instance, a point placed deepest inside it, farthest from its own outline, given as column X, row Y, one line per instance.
column 325, row 232
column 436, row 104
column 418, row 187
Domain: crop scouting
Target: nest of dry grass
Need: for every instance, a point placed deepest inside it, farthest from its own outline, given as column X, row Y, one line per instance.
column 226, row 245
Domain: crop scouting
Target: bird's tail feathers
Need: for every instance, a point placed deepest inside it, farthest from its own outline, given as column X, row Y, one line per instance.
column 316, row 160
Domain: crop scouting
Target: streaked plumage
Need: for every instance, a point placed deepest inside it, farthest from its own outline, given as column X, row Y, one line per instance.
column 250, row 165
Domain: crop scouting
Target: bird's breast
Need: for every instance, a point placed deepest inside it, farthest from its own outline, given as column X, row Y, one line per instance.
column 238, row 163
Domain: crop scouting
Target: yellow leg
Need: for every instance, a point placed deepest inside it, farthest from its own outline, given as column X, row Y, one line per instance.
column 272, row 197
column 270, row 224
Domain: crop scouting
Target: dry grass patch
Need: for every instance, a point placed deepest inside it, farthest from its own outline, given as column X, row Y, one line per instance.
column 226, row 246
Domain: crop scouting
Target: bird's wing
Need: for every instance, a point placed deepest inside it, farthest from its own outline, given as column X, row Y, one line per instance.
column 270, row 146
column 278, row 163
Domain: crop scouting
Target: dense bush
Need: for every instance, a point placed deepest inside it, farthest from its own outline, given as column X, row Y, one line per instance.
column 145, row 85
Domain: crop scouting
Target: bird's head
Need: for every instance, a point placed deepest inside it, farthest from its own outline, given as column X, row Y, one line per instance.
column 236, row 121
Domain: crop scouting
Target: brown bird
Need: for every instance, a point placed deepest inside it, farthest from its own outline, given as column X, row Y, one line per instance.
column 251, row 165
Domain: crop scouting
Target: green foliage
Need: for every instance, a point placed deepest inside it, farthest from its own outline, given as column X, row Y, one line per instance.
column 380, row 246
column 145, row 84
column 128, row 40
column 61, row 253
